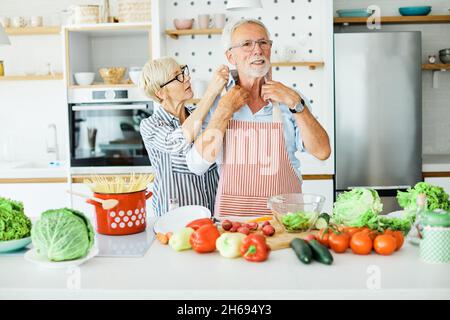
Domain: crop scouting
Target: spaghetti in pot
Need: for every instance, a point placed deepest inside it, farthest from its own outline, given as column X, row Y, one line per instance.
column 119, row 184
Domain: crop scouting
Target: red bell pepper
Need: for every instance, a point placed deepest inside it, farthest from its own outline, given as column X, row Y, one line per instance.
column 254, row 248
column 199, row 222
column 204, row 239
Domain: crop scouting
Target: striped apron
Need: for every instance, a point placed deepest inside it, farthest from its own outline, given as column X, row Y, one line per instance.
column 255, row 167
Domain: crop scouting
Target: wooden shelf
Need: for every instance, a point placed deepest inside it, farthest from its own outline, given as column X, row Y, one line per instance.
column 174, row 34
column 135, row 26
column 396, row 19
column 33, row 31
column 311, row 65
column 436, row 66
column 58, row 76
column 103, row 85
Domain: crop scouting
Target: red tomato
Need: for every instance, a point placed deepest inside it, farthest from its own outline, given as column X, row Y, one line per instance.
column 385, row 244
column 399, row 238
column 339, row 242
column 323, row 237
column 361, row 243
column 351, row 230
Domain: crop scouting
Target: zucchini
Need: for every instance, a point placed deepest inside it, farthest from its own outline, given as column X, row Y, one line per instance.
column 322, row 221
column 302, row 250
column 320, row 252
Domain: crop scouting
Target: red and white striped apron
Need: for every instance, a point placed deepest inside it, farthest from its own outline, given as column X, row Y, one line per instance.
column 255, row 167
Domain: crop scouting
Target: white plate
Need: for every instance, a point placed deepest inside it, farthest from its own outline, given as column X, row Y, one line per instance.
column 14, row 245
column 396, row 214
column 33, row 257
column 178, row 218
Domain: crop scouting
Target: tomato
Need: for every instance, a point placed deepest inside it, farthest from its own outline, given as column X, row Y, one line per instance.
column 371, row 233
column 399, row 238
column 351, row 230
column 322, row 237
column 385, row 244
column 361, row 243
column 339, row 242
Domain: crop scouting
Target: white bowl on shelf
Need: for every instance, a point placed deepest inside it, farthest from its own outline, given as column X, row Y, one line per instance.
column 84, row 78
column 135, row 76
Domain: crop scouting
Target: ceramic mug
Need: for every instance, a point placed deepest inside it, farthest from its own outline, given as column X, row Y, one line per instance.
column 219, row 20
column 288, row 53
column 204, row 21
column 18, row 22
column 5, row 22
column 36, row 21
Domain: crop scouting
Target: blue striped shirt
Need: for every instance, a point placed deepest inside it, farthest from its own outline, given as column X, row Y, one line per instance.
column 167, row 148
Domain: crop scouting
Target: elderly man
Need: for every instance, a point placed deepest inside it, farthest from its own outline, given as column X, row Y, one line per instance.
column 254, row 135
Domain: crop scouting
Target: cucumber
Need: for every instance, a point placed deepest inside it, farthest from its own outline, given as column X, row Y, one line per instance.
column 320, row 252
column 302, row 250
column 322, row 221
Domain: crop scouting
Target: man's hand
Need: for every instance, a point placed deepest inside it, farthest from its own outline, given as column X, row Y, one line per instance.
column 219, row 80
column 278, row 92
column 234, row 100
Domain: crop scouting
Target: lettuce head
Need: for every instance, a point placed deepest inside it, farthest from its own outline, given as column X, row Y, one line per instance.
column 62, row 234
column 14, row 224
column 357, row 207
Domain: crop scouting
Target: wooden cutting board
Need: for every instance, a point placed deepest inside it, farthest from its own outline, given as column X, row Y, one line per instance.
column 281, row 239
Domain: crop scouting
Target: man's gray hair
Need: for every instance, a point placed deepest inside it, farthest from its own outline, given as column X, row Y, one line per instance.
column 231, row 27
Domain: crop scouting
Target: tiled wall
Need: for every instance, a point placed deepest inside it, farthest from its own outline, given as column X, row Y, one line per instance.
column 436, row 101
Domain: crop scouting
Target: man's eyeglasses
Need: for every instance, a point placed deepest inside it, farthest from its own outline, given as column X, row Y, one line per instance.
column 179, row 77
column 249, row 45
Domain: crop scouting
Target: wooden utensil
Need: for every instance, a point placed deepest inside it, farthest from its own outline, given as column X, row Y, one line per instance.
column 106, row 204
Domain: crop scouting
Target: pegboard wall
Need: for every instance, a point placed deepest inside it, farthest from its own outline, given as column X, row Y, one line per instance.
column 302, row 25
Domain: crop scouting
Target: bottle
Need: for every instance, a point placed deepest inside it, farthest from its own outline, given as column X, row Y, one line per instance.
column 415, row 234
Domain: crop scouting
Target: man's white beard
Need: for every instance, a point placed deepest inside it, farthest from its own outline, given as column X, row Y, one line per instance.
column 257, row 73
column 253, row 73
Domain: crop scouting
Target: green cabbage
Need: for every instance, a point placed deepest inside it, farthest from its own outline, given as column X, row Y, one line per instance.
column 437, row 198
column 14, row 224
column 357, row 208
column 62, row 234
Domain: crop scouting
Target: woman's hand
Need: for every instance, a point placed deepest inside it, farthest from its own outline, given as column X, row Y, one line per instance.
column 219, row 80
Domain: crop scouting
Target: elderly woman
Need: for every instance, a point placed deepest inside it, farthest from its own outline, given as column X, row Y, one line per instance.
column 170, row 132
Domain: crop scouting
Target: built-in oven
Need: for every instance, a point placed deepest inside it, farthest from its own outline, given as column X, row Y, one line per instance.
column 104, row 127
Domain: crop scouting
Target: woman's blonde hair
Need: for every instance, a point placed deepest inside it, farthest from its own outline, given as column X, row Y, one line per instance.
column 154, row 74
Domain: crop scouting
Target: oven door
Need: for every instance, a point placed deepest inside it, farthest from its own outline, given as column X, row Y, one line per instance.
column 107, row 134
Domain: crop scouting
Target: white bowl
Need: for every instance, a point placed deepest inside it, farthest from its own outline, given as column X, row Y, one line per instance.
column 84, row 78
column 135, row 76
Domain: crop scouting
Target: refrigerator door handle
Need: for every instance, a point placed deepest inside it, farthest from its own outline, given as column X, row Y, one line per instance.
column 381, row 187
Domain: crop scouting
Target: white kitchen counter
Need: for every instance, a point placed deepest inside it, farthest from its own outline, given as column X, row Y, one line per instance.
column 436, row 163
column 165, row 274
column 30, row 169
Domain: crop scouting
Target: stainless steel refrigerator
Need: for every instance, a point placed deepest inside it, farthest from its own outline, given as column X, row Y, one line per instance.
column 378, row 107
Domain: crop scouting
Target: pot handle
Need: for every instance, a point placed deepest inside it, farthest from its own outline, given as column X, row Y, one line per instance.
column 148, row 194
column 95, row 203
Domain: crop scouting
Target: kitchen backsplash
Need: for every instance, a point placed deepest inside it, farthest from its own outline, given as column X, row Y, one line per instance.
column 436, row 101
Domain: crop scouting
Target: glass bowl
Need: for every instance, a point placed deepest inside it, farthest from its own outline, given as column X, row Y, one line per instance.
column 285, row 206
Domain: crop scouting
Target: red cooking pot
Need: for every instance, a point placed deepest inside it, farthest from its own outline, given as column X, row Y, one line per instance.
column 128, row 217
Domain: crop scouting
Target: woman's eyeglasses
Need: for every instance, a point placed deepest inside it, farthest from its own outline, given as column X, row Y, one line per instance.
column 179, row 77
column 249, row 45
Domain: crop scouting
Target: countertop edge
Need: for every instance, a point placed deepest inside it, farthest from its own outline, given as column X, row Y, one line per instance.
column 74, row 294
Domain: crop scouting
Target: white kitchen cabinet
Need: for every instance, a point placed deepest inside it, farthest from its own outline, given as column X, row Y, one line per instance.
column 37, row 197
column 321, row 187
column 441, row 182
